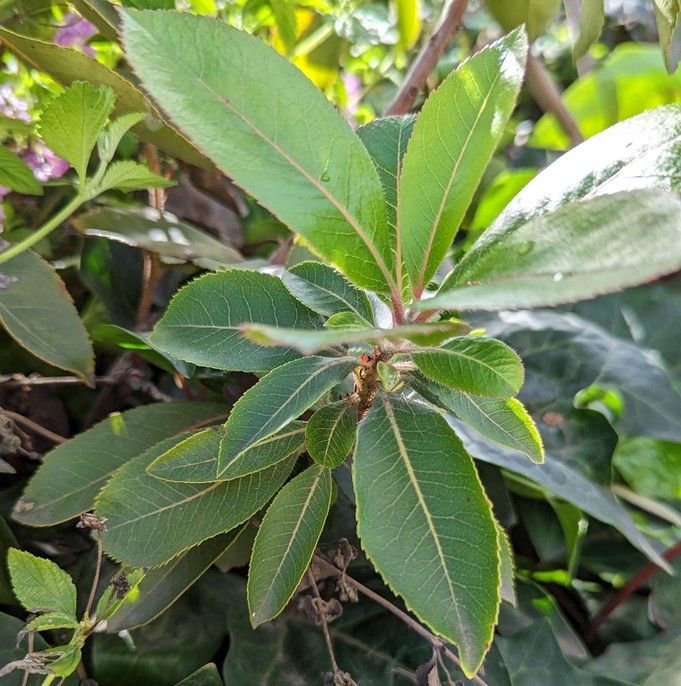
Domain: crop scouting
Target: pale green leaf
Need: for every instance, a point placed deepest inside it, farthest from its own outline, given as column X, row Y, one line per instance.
column 202, row 323
column 347, row 320
column 64, row 660
column 72, row 121
column 53, row 620
column 667, row 18
column 388, row 375
column 150, row 521
column 38, row 313
column 285, row 20
column 286, row 541
column 506, row 566
column 535, row 14
column 127, row 175
column 454, row 138
column 280, row 396
column 584, row 249
column 426, row 524
column 16, row 174
column 195, row 460
column 113, row 597
column 330, row 433
column 40, row 584
column 108, row 140
column 408, row 22
column 591, row 18
column 484, row 366
column 323, row 185
column 72, row 474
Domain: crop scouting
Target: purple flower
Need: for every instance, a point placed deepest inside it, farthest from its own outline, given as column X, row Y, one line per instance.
column 44, row 163
column 12, row 106
column 353, row 89
column 75, row 33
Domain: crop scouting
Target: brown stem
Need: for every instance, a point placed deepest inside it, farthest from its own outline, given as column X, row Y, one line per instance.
column 545, row 91
column 428, row 57
column 95, row 581
column 30, row 424
column 325, row 627
column 281, row 254
column 628, row 589
column 12, row 380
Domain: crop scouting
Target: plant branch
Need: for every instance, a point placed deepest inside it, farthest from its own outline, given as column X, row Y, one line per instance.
column 428, row 57
column 325, row 627
column 95, row 581
column 33, row 426
column 545, row 91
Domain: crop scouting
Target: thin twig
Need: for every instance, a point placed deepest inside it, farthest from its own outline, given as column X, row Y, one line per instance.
column 12, row 380
column 434, row 640
column 325, row 628
column 30, row 424
column 545, row 91
column 95, row 581
column 428, row 57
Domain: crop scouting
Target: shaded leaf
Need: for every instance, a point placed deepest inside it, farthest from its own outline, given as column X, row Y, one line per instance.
column 208, row 675
column 667, row 18
column 591, row 18
column 16, row 174
column 330, row 433
column 102, row 14
column 652, row 468
column 506, row 566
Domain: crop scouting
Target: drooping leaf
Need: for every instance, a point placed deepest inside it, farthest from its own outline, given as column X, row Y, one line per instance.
column 195, row 460
column 447, row 154
column 560, row 257
column 102, row 14
column 330, row 433
column 209, row 335
column 126, row 175
column 280, row 396
column 324, row 186
column 535, row 14
column 72, row 474
column 86, row 108
column 40, row 584
column 418, row 492
column 16, row 174
column 38, row 313
column 476, row 365
column 208, row 675
column 285, row 542
column 667, row 18
column 591, row 18
column 150, row 521
column 66, row 65
column 506, row 566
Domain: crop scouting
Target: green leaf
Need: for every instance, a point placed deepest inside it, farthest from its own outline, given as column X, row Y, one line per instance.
column 560, row 257
column 113, row 597
column 209, row 334
column 72, row 121
column 66, row 65
column 330, row 433
column 102, row 14
column 40, row 584
column 448, row 154
column 347, row 320
column 408, row 22
column 310, row 341
column 53, row 620
column 206, row 676
column 280, row 396
column 195, row 460
column 325, row 290
column 652, row 468
column 150, row 521
column 667, row 18
column 323, row 185
column 65, row 659
column 286, row 540
column 162, row 586
column 504, row 421
column 127, row 175
column 535, row 14
column 285, row 20
column 16, row 174
column 506, row 566
column 109, row 139
column 38, row 313
column 72, row 474
column 591, row 18
column 419, row 499
column 483, row 366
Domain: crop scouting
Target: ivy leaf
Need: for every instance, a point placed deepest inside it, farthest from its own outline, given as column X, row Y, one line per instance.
column 323, row 185
column 418, row 493
column 209, row 334
column 38, row 313
column 16, row 174
column 667, row 18
column 330, row 433
column 40, row 584
column 71, row 475
column 280, row 396
column 72, row 121
column 127, row 175
column 150, row 521
column 591, row 18
column 285, row 542
column 195, row 459
column 477, row 365
column 559, row 257
column 448, row 153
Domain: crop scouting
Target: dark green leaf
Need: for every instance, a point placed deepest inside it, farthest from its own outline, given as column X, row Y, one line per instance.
column 16, row 174
column 652, row 468
column 330, row 433
column 208, row 675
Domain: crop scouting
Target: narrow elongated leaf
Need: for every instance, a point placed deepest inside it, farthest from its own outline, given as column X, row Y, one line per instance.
column 454, row 138
column 150, row 521
column 38, row 313
column 504, row 421
column 667, row 18
column 591, row 18
column 408, row 22
column 477, row 365
column 40, row 584
column 86, row 108
column 286, row 541
column 72, row 474
column 330, row 433
column 201, row 324
column 426, row 524
column 560, row 257
column 195, row 460
column 280, row 396
column 16, row 174
column 506, row 566
column 322, row 185
column 102, row 14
